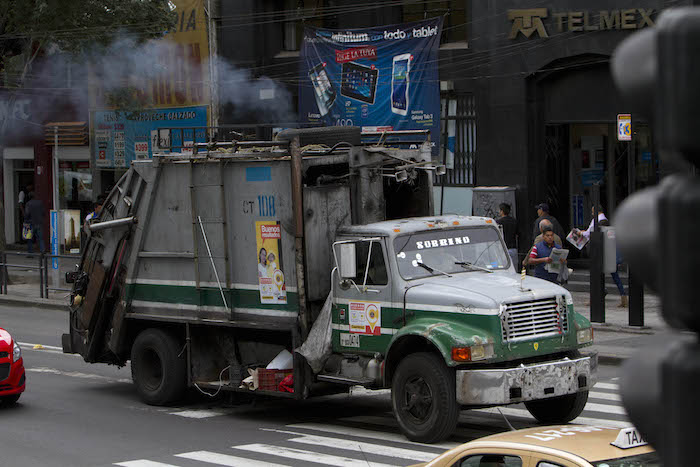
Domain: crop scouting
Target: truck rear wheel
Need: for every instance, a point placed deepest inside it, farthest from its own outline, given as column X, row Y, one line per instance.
column 423, row 398
column 558, row 410
column 157, row 368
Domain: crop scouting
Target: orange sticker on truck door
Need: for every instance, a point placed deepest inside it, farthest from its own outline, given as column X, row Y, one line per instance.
column 365, row 318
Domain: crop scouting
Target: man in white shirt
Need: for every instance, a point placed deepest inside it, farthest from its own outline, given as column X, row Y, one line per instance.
column 616, row 277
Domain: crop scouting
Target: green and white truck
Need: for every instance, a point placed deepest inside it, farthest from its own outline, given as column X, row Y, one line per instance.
column 204, row 266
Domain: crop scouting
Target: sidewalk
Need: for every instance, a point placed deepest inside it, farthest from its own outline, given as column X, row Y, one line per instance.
column 614, row 340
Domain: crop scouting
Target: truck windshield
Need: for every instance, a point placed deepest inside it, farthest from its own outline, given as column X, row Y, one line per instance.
column 450, row 251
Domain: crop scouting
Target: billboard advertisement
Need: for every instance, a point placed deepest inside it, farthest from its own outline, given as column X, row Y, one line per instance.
column 121, row 137
column 382, row 78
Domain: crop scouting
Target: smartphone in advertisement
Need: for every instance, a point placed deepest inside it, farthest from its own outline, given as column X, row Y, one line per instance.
column 399, row 84
column 323, row 88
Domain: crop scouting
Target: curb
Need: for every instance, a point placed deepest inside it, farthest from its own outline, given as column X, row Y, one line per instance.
column 611, row 359
column 43, row 303
column 607, row 327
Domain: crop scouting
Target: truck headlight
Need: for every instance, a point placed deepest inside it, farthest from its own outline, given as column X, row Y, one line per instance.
column 472, row 353
column 16, row 352
column 584, row 336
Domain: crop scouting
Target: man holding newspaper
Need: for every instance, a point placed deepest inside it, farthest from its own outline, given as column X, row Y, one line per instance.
column 548, row 257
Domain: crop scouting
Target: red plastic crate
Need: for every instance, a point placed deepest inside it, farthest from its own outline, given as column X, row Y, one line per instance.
column 269, row 380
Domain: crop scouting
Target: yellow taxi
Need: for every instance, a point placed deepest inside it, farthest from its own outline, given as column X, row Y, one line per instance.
column 554, row 446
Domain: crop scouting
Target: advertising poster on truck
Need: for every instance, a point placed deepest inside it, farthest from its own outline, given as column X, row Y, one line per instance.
column 365, row 318
column 268, row 235
column 123, row 136
column 382, row 78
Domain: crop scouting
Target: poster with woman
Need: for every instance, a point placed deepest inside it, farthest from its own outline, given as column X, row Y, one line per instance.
column 268, row 236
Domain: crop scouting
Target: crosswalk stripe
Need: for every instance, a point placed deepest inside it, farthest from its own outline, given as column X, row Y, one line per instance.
column 368, row 448
column 200, row 413
column 307, row 456
column 362, row 433
column 607, row 386
column 226, row 459
column 604, row 408
column 513, row 412
column 608, row 396
column 144, row 463
column 390, row 421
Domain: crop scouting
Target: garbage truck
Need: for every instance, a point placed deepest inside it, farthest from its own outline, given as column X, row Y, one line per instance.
column 203, row 267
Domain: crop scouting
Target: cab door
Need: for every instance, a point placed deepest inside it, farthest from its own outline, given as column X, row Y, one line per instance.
column 361, row 303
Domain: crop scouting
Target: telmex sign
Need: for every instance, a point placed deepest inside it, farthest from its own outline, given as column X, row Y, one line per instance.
column 442, row 242
column 530, row 21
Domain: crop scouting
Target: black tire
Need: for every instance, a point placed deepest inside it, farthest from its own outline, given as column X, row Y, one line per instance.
column 9, row 400
column 157, row 368
column 424, row 399
column 558, row 410
column 328, row 136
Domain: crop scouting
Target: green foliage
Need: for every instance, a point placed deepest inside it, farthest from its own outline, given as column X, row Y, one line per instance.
column 29, row 27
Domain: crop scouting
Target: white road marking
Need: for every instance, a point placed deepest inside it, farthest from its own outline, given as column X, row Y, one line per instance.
column 199, row 413
column 307, row 456
column 225, row 459
column 144, row 463
column 44, row 348
column 605, row 408
column 604, row 395
column 371, row 434
column 367, row 448
column 578, row 420
column 76, row 374
column 612, row 386
column 390, row 421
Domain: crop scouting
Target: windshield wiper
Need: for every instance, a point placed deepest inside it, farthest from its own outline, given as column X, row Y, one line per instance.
column 473, row 266
column 429, row 269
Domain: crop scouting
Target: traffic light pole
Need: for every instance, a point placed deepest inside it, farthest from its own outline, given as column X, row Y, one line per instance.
column 597, row 283
column 657, row 69
column 636, row 299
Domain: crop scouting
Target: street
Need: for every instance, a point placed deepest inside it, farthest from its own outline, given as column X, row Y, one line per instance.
column 78, row 414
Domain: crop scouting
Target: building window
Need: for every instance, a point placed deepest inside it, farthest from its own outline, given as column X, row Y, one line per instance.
column 457, row 139
column 454, row 28
column 301, row 13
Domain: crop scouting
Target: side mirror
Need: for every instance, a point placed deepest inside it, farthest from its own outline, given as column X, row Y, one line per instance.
column 347, row 261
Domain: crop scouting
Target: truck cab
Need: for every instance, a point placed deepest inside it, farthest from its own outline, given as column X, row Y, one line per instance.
column 433, row 308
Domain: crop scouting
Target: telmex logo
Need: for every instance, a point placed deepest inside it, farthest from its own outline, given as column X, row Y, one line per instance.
column 530, row 20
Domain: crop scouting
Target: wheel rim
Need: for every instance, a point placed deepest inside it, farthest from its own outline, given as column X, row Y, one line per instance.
column 417, row 399
column 152, row 375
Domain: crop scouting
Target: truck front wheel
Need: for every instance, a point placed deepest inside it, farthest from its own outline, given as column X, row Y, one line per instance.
column 157, row 368
column 423, row 398
column 558, row 410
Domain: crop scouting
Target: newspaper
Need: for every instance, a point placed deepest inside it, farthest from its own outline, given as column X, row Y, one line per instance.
column 577, row 240
column 557, row 255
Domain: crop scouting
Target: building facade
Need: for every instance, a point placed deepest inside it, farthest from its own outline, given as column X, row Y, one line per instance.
column 528, row 100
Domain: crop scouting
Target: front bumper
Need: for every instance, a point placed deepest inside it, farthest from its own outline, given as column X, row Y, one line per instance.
column 14, row 382
column 526, row 382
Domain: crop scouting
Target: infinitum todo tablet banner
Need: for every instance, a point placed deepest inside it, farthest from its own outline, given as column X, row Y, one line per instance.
column 382, row 78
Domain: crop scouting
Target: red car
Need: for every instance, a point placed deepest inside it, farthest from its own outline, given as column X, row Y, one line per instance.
column 11, row 369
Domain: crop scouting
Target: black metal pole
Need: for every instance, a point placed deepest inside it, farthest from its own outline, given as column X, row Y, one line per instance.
column 41, row 275
column 636, row 300
column 597, row 283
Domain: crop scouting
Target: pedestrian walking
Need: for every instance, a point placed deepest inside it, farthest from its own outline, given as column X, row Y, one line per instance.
column 510, row 232
column 21, row 199
column 95, row 214
column 34, row 215
column 543, row 213
column 540, row 255
column 603, row 221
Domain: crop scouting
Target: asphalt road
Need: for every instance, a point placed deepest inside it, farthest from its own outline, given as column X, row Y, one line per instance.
column 78, row 414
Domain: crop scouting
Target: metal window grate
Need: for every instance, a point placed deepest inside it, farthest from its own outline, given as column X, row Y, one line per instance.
column 534, row 319
column 458, row 139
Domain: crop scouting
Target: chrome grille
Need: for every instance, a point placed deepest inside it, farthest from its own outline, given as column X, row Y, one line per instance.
column 534, row 319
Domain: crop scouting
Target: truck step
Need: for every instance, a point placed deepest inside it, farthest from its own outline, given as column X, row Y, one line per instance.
column 345, row 380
